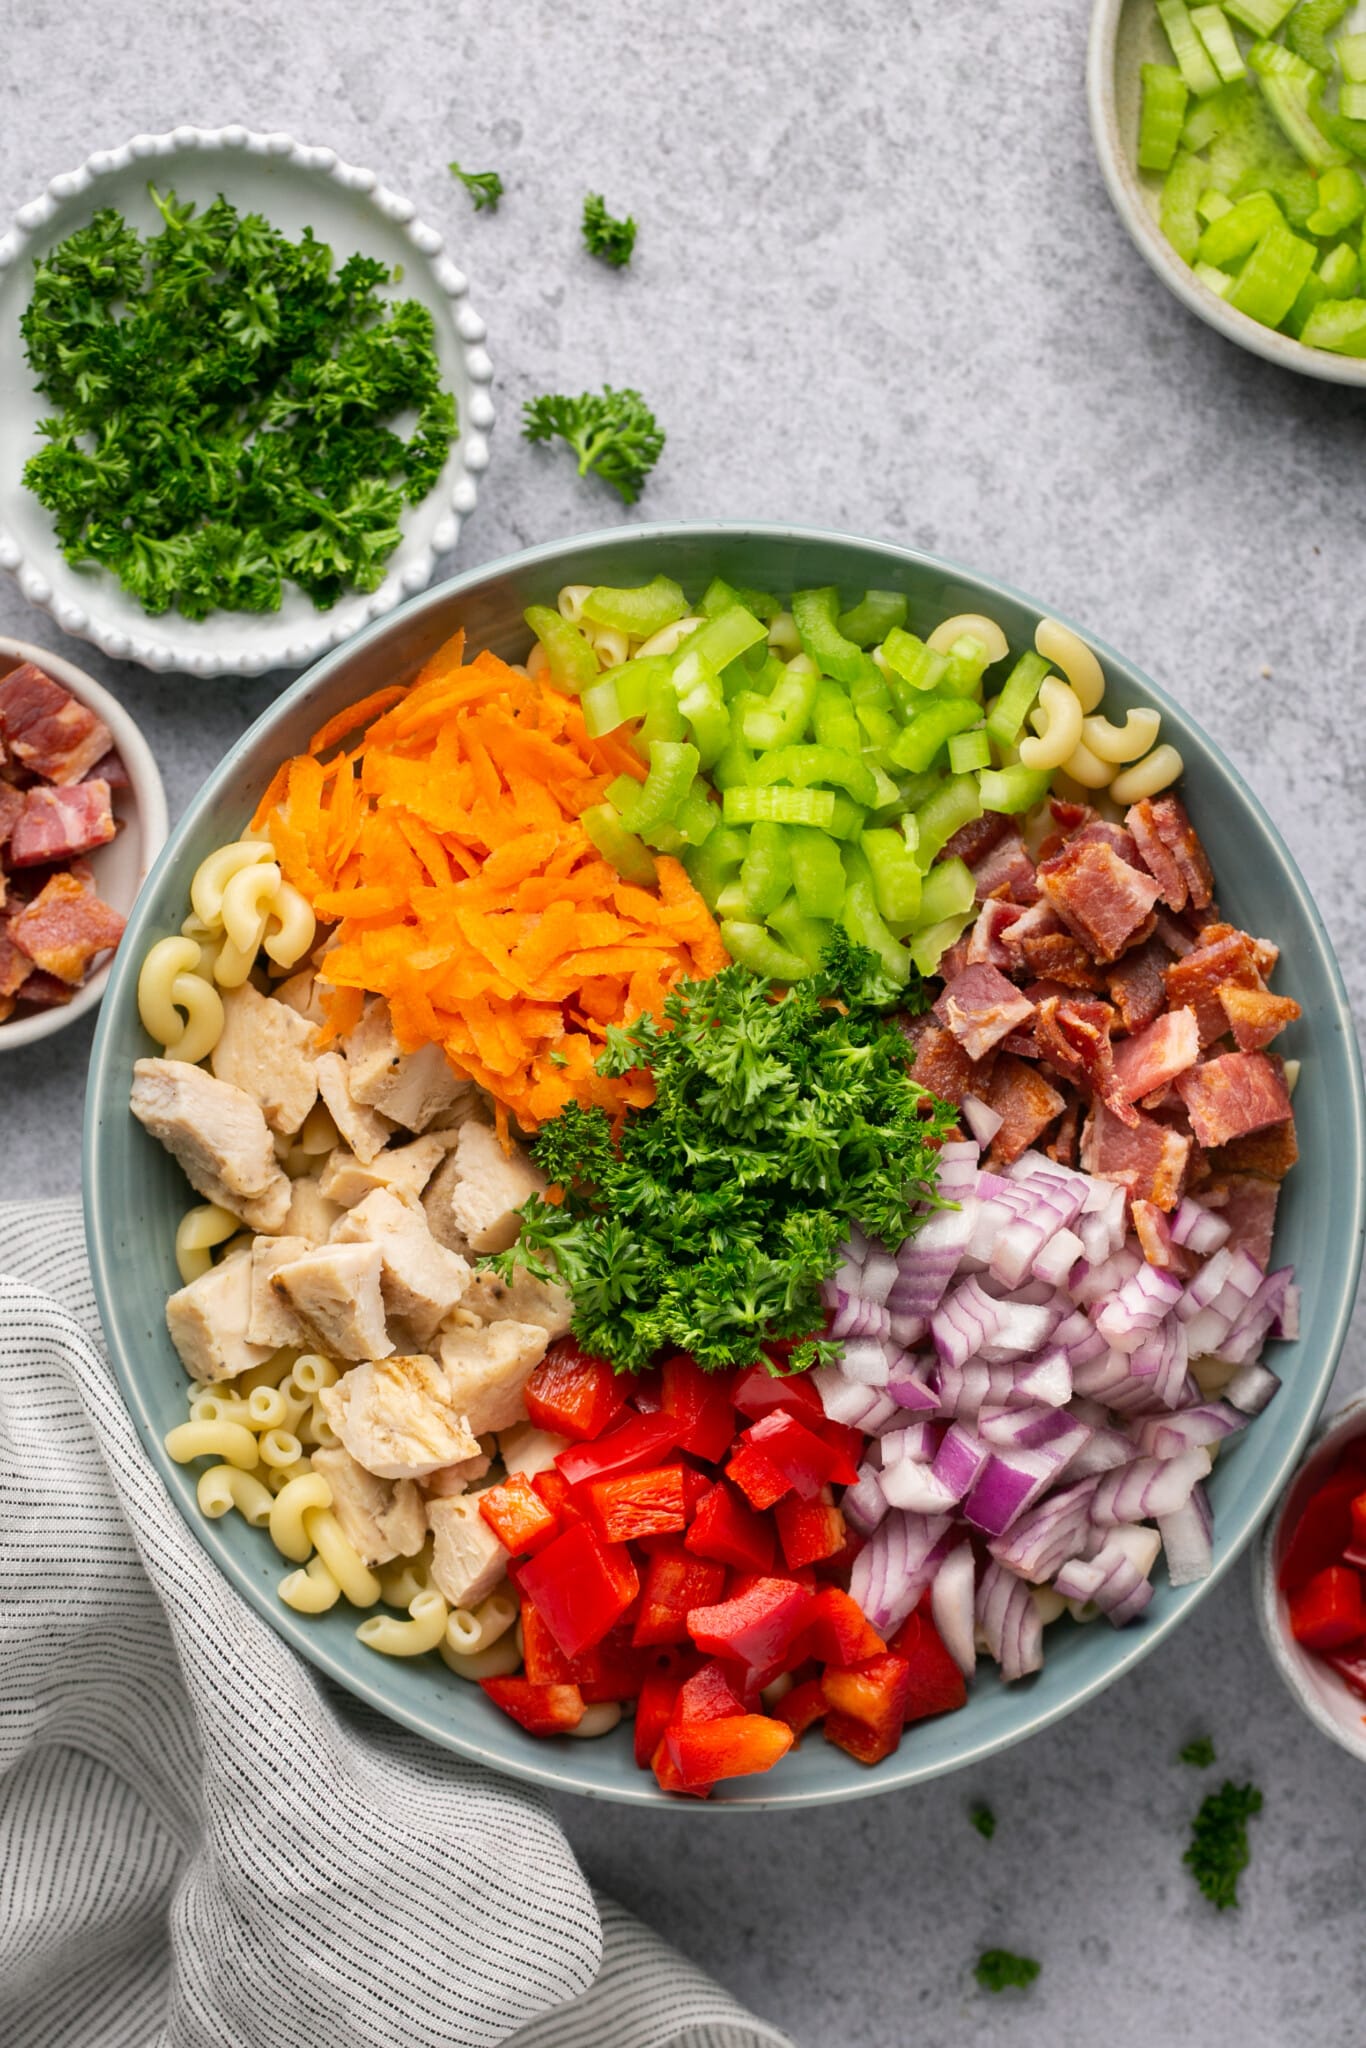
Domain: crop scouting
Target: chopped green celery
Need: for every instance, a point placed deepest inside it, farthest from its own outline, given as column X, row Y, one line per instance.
column 913, row 662
column 833, row 719
column 896, row 877
column 1246, row 143
column 626, row 852
column 720, row 596
column 1294, row 188
column 949, row 889
column 806, row 936
column 720, row 639
column 703, row 704
column 757, row 949
column 1182, row 189
column 1306, row 32
column 673, row 764
column 1352, row 102
column 1187, row 48
column 1213, row 205
column 969, row 750
column 1340, row 272
column 663, row 717
column 1350, row 134
column 1010, row 710
column 1013, row 789
column 815, row 614
column 916, row 789
column 817, row 871
column 875, row 717
column 1292, row 89
column 1165, row 95
column 1339, row 325
column 1205, row 119
column 886, row 793
column 847, row 819
column 1220, row 282
column 623, row 693
column 1221, row 45
column 766, row 872
column 640, row 612
column 968, row 662
column 573, row 664
column 786, row 712
column 762, row 603
column 734, row 765
column 954, row 804
column 779, row 806
column 801, row 766
column 716, row 862
column 1350, row 52
column 864, row 922
column 1311, row 294
column 1267, row 285
column 928, row 731
column 1235, row 233
column 929, row 947
column 1263, row 17
column 696, row 818
column 873, row 617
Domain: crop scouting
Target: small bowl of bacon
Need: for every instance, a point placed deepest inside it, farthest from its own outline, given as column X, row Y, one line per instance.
column 82, row 818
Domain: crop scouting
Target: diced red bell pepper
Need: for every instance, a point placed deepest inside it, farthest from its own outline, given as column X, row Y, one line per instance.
column 778, row 1442
column 809, row 1530
column 867, row 1706
column 647, row 1392
column 573, row 1393
column 696, row 1485
column 676, row 1582
column 635, row 1504
column 580, row 1585
column 803, row 1706
column 761, row 1481
column 836, row 1569
column 1322, row 1532
column 1358, row 1515
column 758, row 1392
column 1350, row 1666
column 700, row 1403
column 669, row 1776
column 553, row 1489
column 540, row 1709
column 635, row 1445
column 755, row 1627
column 612, row 1670
column 654, row 1706
column 937, row 1685
column 517, row 1515
column 543, row 1661
column 737, row 1746
column 725, row 1528
column 1327, row 1613
column 839, row 1632
column 709, row 1695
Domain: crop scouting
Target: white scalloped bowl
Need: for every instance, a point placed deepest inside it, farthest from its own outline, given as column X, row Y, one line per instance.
column 294, row 187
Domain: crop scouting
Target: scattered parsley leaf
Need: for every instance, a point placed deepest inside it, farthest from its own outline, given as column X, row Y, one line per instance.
column 1200, row 1753
column 1000, row 1969
column 983, row 1819
column 1219, row 1849
column 613, row 433
column 223, row 405
column 710, row 1223
column 603, row 236
column 484, row 187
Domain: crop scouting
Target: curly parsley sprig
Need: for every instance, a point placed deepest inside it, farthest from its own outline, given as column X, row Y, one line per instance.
column 604, row 235
column 613, row 433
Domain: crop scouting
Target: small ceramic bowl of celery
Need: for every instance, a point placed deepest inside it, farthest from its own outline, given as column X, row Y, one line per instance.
column 1233, row 142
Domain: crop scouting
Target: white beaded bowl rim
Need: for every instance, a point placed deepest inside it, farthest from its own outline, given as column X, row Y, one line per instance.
column 205, row 648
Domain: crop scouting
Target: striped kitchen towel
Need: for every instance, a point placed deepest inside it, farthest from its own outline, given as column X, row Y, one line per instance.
column 203, row 1844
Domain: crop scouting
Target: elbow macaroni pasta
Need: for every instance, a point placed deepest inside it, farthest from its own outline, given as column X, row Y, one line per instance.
column 347, row 1567
column 1057, row 722
column 1156, row 771
column 170, row 981
column 970, row 625
column 223, row 1487
column 423, row 1631
column 308, row 1494
column 310, row 1590
column 228, row 1441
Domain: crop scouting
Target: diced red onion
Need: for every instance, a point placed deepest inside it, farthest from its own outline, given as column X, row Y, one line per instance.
column 1167, row 1436
column 1096, row 1282
column 1009, row 1622
column 1056, row 1258
column 926, row 1263
column 1198, row 1228
column 1055, row 1529
column 895, row 1566
column 1245, row 1340
column 865, row 1504
column 916, row 1488
column 1288, row 1324
column 953, row 1597
column 911, row 1391
column 852, row 1315
column 983, row 1122
column 1137, row 1307
column 913, row 1442
column 1188, row 1540
column 866, row 1360
column 1148, row 1487
column 1116, row 1576
column 1009, row 1483
column 1251, row 1388
column 958, row 1460
column 844, row 1400
column 887, row 1415
column 1047, row 1379
column 879, row 1274
column 1107, row 1449
column 1076, row 1335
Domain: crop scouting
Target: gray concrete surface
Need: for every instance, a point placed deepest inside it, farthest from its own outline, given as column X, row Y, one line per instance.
column 878, row 286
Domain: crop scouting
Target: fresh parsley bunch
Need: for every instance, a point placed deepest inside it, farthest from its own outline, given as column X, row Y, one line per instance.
column 710, row 1222
column 225, row 402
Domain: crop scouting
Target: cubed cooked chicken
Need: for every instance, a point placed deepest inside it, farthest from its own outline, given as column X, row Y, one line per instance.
column 219, row 1136
column 335, row 1292
column 272, row 1321
column 524, row 1299
column 468, row 1561
column 529, row 1450
column 382, row 1518
column 208, row 1322
column 453, row 1479
column 422, row 1281
column 365, row 1130
column 267, row 1049
column 413, row 1088
column 300, row 992
column 397, row 1418
column 474, row 1198
column 310, row 1215
column 404, row 1168
column 487, row 1370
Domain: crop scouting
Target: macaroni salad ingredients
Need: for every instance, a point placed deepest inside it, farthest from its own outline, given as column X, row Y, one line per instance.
column 285, row 379
column 613, row 433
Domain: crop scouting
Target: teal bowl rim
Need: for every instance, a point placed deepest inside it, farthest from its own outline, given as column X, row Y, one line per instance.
column 557, row 1773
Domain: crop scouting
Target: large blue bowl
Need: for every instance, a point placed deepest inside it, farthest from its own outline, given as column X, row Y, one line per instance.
column 134, row 1193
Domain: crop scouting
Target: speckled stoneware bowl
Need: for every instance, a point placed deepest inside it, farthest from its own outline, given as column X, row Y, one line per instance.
column 1312, row 1684
column 294, row 186
column 1125, row 34
column 135, row 1194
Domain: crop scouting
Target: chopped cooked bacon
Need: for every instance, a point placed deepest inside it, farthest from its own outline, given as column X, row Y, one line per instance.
column 1149, row 1158
column 64, row 928
column 979, row 1006
column 1269, row 1153
column 1195, row 981
column 57, row 824
column 1247, row 1204
column 954, row 961
column 1136, row 987
column 985, row 939
column 45, row 991
column 1229, row 1096
column 1150, row 1061
column 939, row 1062
column 1155, row 1236
column 1062, row 1146
column 1099, row 897
column 46, row 729
column 1070, row 817
column 1074, row 1037
column 1174, row 933
column 972, row 842
column 1006, row 869
column 15, row 967
column 1255, row 1015
column 11, row 810
column 1168, row 843
column 1100, row 832
column 1026, row 1105
column 109, row 768
column 1057, row 956
column 1031, row 923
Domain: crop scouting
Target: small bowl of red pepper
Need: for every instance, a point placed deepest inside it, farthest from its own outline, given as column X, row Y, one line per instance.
column 1310, row 1577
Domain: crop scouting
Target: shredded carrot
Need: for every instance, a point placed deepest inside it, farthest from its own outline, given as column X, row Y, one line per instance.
column 446, row 852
